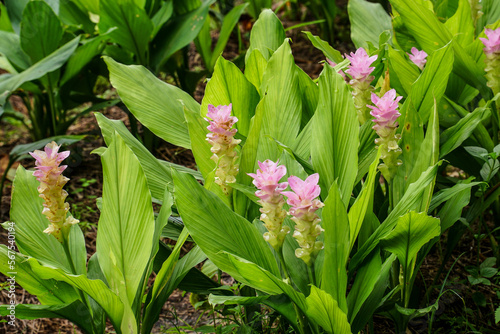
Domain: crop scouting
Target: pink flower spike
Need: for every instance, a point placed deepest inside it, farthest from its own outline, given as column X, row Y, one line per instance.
column 359, row 68
column 418, row 57
column 385, row 111
column 492, row 43
column 267, row 179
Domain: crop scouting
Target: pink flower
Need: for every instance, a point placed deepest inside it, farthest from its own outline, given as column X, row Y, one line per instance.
column 303, row 197
column 492, row 43
column 272, row 214
column 304, row 204
column 333, row 64
column 385, row 111
column 267, row 179
column 418, row 57
column 49, row 173
column 223, row 144
column 359, row 68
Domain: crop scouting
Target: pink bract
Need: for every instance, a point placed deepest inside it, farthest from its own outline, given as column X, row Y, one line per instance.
column 359, row 68
column 267, row 178
column 221, row 120
column 385, row 109
column 492, row 43
column 304, row 194
column 418, row 57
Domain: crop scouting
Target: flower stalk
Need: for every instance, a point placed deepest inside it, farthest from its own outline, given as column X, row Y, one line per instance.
column 49, row 174
column 360, row 72
column 221, row 137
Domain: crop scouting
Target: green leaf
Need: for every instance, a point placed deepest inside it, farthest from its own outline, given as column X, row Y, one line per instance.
column 267, row 35
column 76, row 312
column 15, row 10
column 229, row 85
column 10, row 47
column 461, row 25
column 335, row 143
column 254, row 69
column 257, row 6
column 48, row 64
column 215, row 300
column 94, row 288
column 368, row 21
column 83, row 55
column 41, row 30
column 324, row 47
column 216, row 228
column 26, row 213
column 410, row 201
column 230, row 21
column 48, row 291
column 158, row 172
column 403, row 70
column 134, row 26
column 156, row 104
column 454, row 136
column 162, row 16
column 323, row 309
column 310, row 95
column 126, row 224
column 178, row 33
column 336, row 225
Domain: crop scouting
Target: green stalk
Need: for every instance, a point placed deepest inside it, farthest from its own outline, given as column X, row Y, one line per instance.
column 52, row 103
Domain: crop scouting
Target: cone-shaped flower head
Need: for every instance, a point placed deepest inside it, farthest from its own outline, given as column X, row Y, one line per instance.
column 360, row 71
column 492, row 43
column 333, row 64
column 266, row 179
column 304, row 203
column 49, row 173
column 492, row 60
column 419, row 58
column 221, row 137
column 386, row 113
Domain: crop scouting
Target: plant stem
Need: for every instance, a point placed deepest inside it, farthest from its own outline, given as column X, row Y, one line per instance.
column 311, row 273
column 282, row 260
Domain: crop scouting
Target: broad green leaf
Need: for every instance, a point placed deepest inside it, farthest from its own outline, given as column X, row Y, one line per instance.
column 72, row 15
column 126, row 224
column 41, row 30
column 366, row 150
column 77, row 250
column 368, row 21
column 26, row 213
column 431, row 34
column 83, row 55
column 48, row 292
column 5, row 24
column 412, row 232
column 402, row 71
column 98, row 314
column 160, row 291
column 310, row 94
column 229, row 85
column 461, row 25
column 158, row 172
column 451, row 211
column 76, row 312
column 431, row 85
column 325, row 311
column 162, row 16
column 358, row 210
column 447, row 194
column 15, row 10
column 335, row 140
column 48, row 64
column 156, row 104
column 134, row 26
column 336, row 225
column 454, row 136
column 410, row 201
column 230, row 21
column 94, row 288
column 254, row 69
column 257, row 6
column 88, row 5
column 10, row 47
column 324, row 47
column 215, row 300
column 267, row 35
column 216, row 228
column 177, row 33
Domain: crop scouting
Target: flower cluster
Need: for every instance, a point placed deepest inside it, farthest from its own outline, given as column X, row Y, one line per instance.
column 386, row 113
column 267, row 180
column 49, row 173
column 303, row 201
column 419, row 58
column 221, row 137
column 360, row 71
column 492, row 60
